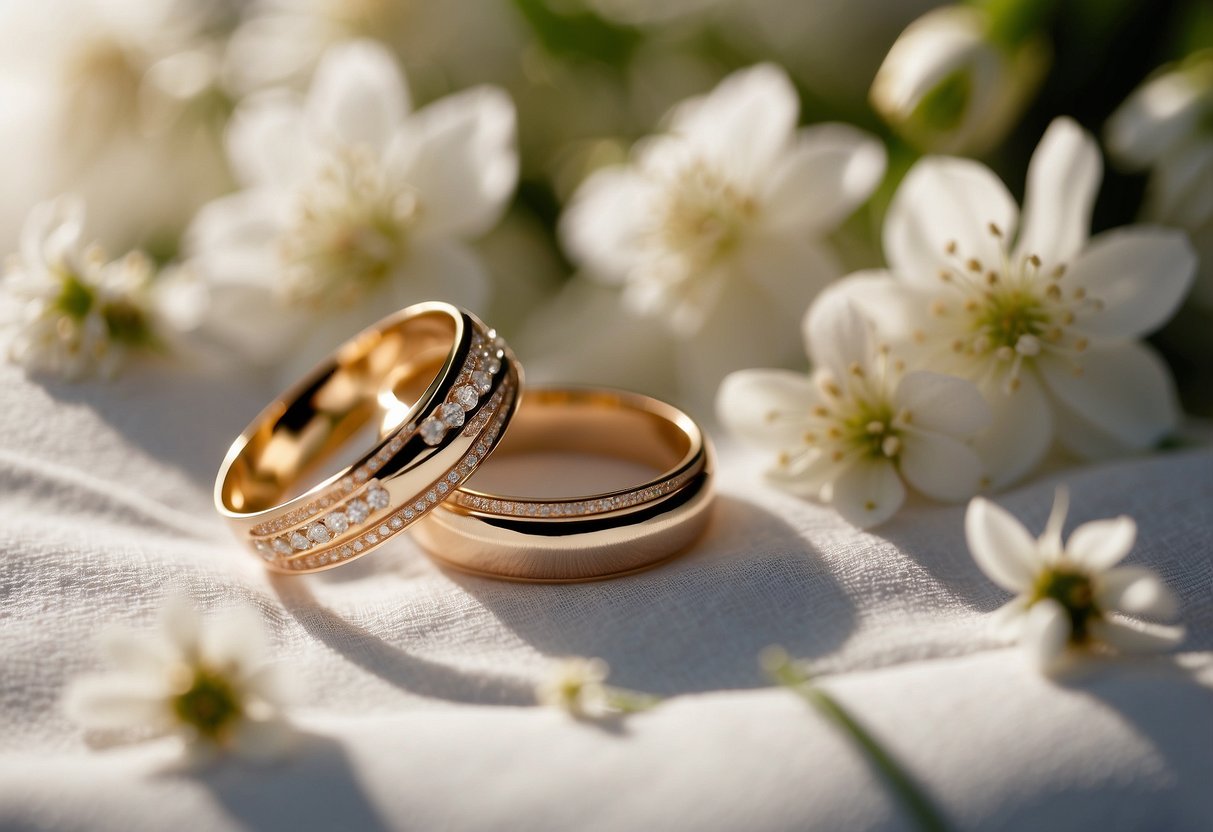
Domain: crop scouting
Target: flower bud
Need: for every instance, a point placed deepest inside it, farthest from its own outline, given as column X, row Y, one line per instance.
column 949, row 85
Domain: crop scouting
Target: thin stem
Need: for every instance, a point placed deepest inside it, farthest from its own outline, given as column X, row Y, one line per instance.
column 794, row 676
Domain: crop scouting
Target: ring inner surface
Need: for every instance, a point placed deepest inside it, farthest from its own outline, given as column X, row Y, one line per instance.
column 573, row 443
column 337, row 402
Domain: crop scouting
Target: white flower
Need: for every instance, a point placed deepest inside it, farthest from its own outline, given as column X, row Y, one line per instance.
column 715, row 227
column 947, row 86
column 1046, row 321
column 72, row 312
column 1073, row 595
column 578, row 686
column 1164, row 125
column 351, row 204
column 860, row 425
column 109, row 99
column 209, row 685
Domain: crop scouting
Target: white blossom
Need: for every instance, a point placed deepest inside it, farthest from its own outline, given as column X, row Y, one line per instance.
column 1044, row 319
column 72, row 312
column 1164, row 126
column 715, row 227
column 946, row 86
column 351, row 204
column 578, row 686
column 206, row 682
column 1072, row 595
column 861, row 426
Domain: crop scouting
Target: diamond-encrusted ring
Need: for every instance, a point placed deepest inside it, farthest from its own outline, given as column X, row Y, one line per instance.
column 584, row 537
column 440, row 388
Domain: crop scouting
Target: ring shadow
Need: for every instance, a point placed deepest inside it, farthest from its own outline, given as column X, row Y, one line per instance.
column 413, row 674
column 696, row 623
column 315, row 788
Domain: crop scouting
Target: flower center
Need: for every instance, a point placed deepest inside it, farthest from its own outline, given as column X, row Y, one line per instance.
column 210, row 704
column 349, row 234
column 1009, row 312
column 704, row 216
column 75, row 298
column 1074, row 591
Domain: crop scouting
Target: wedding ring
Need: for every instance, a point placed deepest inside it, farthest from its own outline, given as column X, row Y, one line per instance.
column 603, row 535
column 437, row 385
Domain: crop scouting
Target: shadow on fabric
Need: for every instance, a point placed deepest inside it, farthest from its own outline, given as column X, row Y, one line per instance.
column 315, row 789
column 696, row 623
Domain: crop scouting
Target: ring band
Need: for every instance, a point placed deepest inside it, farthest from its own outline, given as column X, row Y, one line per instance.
column 461, row 383
column 590, row 537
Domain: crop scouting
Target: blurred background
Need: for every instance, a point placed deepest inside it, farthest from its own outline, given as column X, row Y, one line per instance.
column 125, row 102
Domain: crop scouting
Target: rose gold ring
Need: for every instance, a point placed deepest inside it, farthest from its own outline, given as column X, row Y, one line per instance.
column 588, row 537
column 438, row 385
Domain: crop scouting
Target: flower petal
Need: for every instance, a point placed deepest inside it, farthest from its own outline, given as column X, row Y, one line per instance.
column 1154, row 117
column 1135, row 590
column 1139, row 275
column 831, row 171
column 265, row 140
column 941, row 201
column 938, row 466
column 1007, row 622
column 837, row 335
column 62, row 219
column 742, row 125
column 460, row 155
column 769, row 408
column 357, row 96
column 118, row 702
column 1130, row 636
column 1101, row 544
column 941, row 403
column 895, row 309
column 868, row 493
column 1001, row 545
column 1046, row 633
column 603, row 225
column 181, row 625
column 1063, row 179
column 1020, row 433
column 1124, row 390
column 136, row 654
column 235, row 639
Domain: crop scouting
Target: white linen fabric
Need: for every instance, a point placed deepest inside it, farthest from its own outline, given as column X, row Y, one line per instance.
column 417, row 682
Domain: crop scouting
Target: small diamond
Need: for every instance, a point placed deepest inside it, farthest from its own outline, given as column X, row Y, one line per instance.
column 396, row 522
column 337, row 522
column 431, row 496
column 472, row 459
column 409, row 514
column 432, row 431
column 346, row 551
column 372, row 538
column 396, row 445
column 419, row 505
column 482, row 449
column 492, row 366
column 357, row 511
column 452, row 414
column 384, row 531
column 482, row 381
column 318, row 533
column 298, row 541
column 466, row 396
column 281, row 545
column 358, row 546
column 452, row 477
column 378, row 498
column 443, row 488
column 360, row 475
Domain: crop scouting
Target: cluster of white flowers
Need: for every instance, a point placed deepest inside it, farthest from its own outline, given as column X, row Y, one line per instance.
column 1041, row 319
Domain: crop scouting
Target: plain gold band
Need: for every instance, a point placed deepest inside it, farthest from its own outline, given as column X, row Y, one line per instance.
column 594, row 536
column 460, row 383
